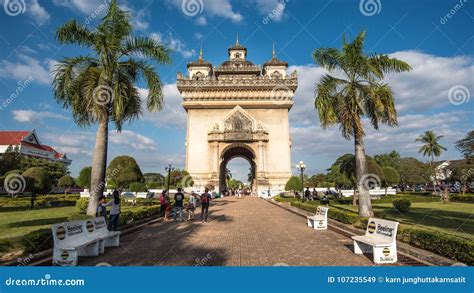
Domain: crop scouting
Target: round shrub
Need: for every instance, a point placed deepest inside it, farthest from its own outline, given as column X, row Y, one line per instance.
column 37, row 180
column 81, row 205
column 66, row 181
column 402, row 205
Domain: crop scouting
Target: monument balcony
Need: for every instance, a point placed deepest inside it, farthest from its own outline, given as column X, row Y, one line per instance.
column 257, row 82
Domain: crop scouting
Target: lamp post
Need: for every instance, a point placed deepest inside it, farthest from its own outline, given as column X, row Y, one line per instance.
column 301, row 166
column 169, row 169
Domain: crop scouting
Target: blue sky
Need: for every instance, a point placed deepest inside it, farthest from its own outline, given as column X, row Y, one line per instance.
column 435, row 37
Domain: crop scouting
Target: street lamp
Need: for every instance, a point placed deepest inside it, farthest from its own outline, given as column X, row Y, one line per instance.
column 169, row 169
column 301, row 166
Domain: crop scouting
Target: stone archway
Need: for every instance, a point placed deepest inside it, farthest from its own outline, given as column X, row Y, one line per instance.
column 233, row 151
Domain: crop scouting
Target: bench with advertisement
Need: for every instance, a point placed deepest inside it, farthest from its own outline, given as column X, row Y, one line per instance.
column 81, row 238
column 319, row 221
column 380, row 239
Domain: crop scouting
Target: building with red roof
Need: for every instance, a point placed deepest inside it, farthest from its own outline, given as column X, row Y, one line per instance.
column 28, row 144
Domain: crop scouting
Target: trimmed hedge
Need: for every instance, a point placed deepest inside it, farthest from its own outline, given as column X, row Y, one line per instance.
column 402, row 205
column 452, row 247
column 81, row 205
column 40, row 201
column 461, row 198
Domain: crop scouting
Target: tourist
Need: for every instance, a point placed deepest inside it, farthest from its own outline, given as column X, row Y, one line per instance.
column 205, row 199
column 101, row 210
column 178, row 204
column 114, row 211
column 307, row 193
column 191, row 206
column 163, row 203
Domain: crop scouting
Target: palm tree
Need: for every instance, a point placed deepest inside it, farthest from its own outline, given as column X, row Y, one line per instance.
column 99, row 88
column 228, row 176
column 431, row 148
column 356, row 89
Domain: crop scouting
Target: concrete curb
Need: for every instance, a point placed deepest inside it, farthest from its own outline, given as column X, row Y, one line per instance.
column 421, row 256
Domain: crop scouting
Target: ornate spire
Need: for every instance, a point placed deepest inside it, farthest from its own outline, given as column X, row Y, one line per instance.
column 237, row 39
column 273, row 51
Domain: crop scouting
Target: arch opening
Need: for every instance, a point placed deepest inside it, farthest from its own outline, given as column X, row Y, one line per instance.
column 232, row 152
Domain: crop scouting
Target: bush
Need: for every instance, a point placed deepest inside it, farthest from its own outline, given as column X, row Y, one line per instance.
column 138, row 187
column 446, row 245
column 81, row 205
column 66, row 181
column 402, row 205
column 37, row 241
column 37, row 180
column 5, row 245
column 461, row 198
column 154, row 185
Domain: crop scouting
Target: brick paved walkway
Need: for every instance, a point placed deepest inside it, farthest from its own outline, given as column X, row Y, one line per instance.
column 241, row 232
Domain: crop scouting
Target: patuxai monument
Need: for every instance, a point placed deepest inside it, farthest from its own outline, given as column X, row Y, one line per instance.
column 238, row 109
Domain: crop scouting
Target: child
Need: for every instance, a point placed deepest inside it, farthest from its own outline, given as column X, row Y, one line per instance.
column 101, row 210
column 191, row 206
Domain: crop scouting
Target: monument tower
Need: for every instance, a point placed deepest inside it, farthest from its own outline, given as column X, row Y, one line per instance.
column 238, row 109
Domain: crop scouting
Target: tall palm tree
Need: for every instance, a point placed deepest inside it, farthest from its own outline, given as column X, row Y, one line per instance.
column 356, row 89
column 99, row 88
column 228, row 176
column 431, row 148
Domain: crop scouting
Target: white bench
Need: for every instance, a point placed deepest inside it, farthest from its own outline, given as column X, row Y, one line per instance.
column 97, row 229
column 380, row 239
column 319, row 221
column 70, row 242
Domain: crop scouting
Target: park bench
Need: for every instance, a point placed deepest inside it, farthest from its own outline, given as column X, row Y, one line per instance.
column 97, row 229
column 70, row 242
column 319, row 221
column 380, row 239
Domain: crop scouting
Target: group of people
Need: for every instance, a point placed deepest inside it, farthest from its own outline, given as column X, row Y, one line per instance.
column 178, row 206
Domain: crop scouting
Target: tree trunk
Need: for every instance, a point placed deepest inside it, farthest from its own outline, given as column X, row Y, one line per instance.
column 434, row 173
column 354, row 197
column 99, row 162
column 365, row 205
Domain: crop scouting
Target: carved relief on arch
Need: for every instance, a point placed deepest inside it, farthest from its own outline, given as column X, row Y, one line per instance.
column 238, row 122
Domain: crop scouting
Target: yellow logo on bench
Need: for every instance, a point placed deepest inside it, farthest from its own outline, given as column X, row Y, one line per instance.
column 386, row 251
column 90, row 226
column 64, row 254
column 61, row 233
column 371, row 227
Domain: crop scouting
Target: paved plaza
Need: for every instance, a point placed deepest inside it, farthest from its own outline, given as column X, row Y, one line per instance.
column 240, row 232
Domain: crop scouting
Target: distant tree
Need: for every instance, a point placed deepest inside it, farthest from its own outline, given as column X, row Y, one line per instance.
column 466, row 145
column 390, row 177
column 37, row 180
column 154, row 177
column 10, row 160
column 234, row 184
column 154, row 185
column 55, row 170
column 138, row 187
column 464, row 174
column 316, row 179
column 66, row 181
column 413, row 172
column 391, row 159
column 84, row 178
column 293, row 184
column 122, row 171
column 431, row 148
column 180, row 178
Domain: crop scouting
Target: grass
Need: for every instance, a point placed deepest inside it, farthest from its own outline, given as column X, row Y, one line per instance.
column 14, row 224
column 456, row 219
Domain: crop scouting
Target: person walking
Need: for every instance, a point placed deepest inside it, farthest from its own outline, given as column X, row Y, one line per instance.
column 205, row 199
column 114, row 211
column 191, row 206
column 101, row 210
column 163, row 203
column 178, row 204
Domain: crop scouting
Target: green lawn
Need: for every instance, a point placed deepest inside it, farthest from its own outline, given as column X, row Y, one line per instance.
column 21, row 221
column 452, row 218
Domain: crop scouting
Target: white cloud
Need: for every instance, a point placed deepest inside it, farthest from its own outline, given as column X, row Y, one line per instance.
column 219, row 8
column 132, row 139
column 173, row 114
column 201, row 20
column 272, row 8
column 27, row 67
column 173, row 43
column 84, row 6
column 37, row 12
column 26, row 116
